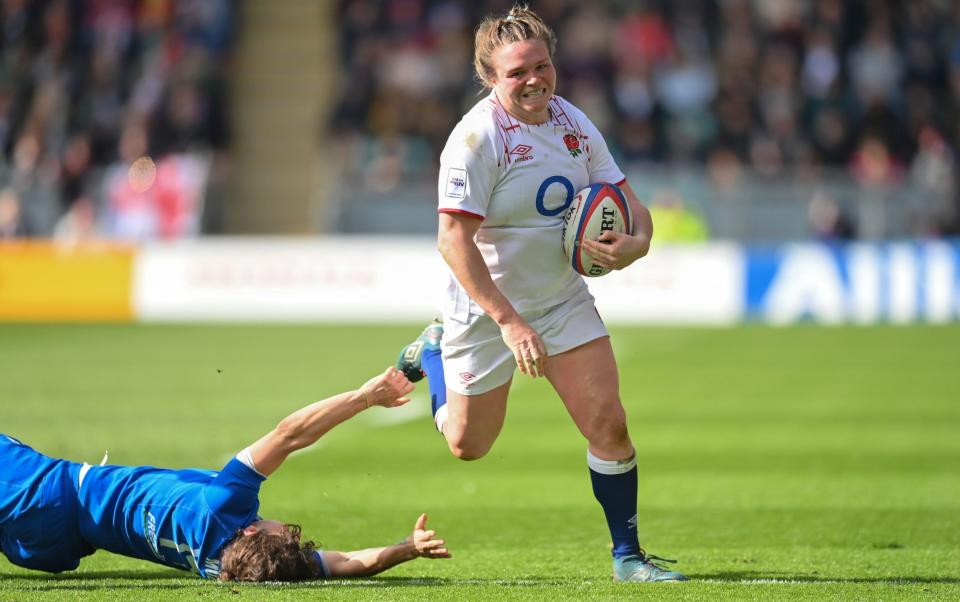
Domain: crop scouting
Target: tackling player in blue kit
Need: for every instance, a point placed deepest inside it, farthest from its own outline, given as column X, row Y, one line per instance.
column 54, row 512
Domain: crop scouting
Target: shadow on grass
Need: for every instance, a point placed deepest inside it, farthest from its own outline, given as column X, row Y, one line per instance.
column 125, row 579
column 97, row 580
column 774, row 577
column 373, row 582
column 83, row 575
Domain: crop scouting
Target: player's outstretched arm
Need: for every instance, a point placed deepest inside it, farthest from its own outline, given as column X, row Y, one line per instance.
column 306, row 425
column 362, row 563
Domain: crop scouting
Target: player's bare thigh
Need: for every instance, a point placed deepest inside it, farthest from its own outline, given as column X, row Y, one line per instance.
column 474, row 422
column 587, row 381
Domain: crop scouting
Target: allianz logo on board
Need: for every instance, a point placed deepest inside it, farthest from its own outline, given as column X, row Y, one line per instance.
column 858, row 283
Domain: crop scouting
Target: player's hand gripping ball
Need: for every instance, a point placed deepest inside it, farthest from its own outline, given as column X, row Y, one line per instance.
column 595, row 209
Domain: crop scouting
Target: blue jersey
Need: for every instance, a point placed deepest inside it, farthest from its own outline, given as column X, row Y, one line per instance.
column 39, row 510
column 179, row 518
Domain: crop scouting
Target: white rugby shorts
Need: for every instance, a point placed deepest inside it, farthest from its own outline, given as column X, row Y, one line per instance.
column 476, row 360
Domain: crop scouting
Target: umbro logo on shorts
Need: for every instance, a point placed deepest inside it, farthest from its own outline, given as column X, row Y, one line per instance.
column 466, row 376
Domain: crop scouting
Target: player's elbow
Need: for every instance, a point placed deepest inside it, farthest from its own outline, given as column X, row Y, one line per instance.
column 288, row 434
column 644, row 245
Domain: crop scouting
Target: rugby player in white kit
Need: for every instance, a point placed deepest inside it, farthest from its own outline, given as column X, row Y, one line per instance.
column 510, row 169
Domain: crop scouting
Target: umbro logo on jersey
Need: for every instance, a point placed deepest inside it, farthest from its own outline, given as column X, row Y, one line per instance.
column 521, row 152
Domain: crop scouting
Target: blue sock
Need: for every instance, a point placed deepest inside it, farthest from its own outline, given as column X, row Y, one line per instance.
column 432, row 365
column 615, row 487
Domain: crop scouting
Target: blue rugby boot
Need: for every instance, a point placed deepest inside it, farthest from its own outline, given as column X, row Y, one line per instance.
column 643, row 568
column 409, row 360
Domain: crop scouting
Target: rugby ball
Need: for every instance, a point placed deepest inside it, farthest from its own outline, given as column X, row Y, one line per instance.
column 595, row 209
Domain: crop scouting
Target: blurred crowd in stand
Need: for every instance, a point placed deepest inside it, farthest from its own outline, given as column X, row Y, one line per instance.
column 112, row 115
column 771, row 90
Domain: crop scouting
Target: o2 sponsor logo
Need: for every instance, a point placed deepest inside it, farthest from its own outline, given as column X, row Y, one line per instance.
column 542, row 199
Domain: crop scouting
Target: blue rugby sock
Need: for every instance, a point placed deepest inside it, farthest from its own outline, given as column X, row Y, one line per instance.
column 432, row 365
column 615, row 487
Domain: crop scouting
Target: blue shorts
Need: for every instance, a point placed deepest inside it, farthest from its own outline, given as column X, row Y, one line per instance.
column 39, row 509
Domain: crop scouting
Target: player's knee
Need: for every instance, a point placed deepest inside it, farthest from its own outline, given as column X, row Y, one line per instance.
column 465, row 449
column 467, row 454
column 608, row 427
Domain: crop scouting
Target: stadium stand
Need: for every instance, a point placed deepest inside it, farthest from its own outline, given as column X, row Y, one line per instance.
column 852, row 103
column 832, row 119
column 87, row 89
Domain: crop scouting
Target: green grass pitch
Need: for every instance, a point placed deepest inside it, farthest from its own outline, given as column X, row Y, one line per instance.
column 776, row 463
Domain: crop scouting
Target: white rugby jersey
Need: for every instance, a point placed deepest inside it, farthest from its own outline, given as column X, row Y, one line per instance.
column 520, row 179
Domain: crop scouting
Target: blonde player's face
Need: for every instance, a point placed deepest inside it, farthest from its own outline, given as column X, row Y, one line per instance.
column 524, row 79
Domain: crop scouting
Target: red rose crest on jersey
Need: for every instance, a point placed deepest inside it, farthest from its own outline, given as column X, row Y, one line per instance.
column 573, row 144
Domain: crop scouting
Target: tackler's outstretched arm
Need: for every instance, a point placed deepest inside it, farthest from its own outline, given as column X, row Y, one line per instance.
column 303, row 427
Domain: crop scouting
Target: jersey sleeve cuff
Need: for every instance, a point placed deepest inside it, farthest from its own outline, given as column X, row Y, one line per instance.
column 460, row 212
column 245, row 457
column 321, row 564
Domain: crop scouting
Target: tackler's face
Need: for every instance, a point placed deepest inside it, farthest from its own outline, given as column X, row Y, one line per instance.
column 274, row 527
column 524, row 79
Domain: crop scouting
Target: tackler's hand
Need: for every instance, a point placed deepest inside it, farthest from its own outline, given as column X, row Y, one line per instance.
column 425, row 543
column 389, row 389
